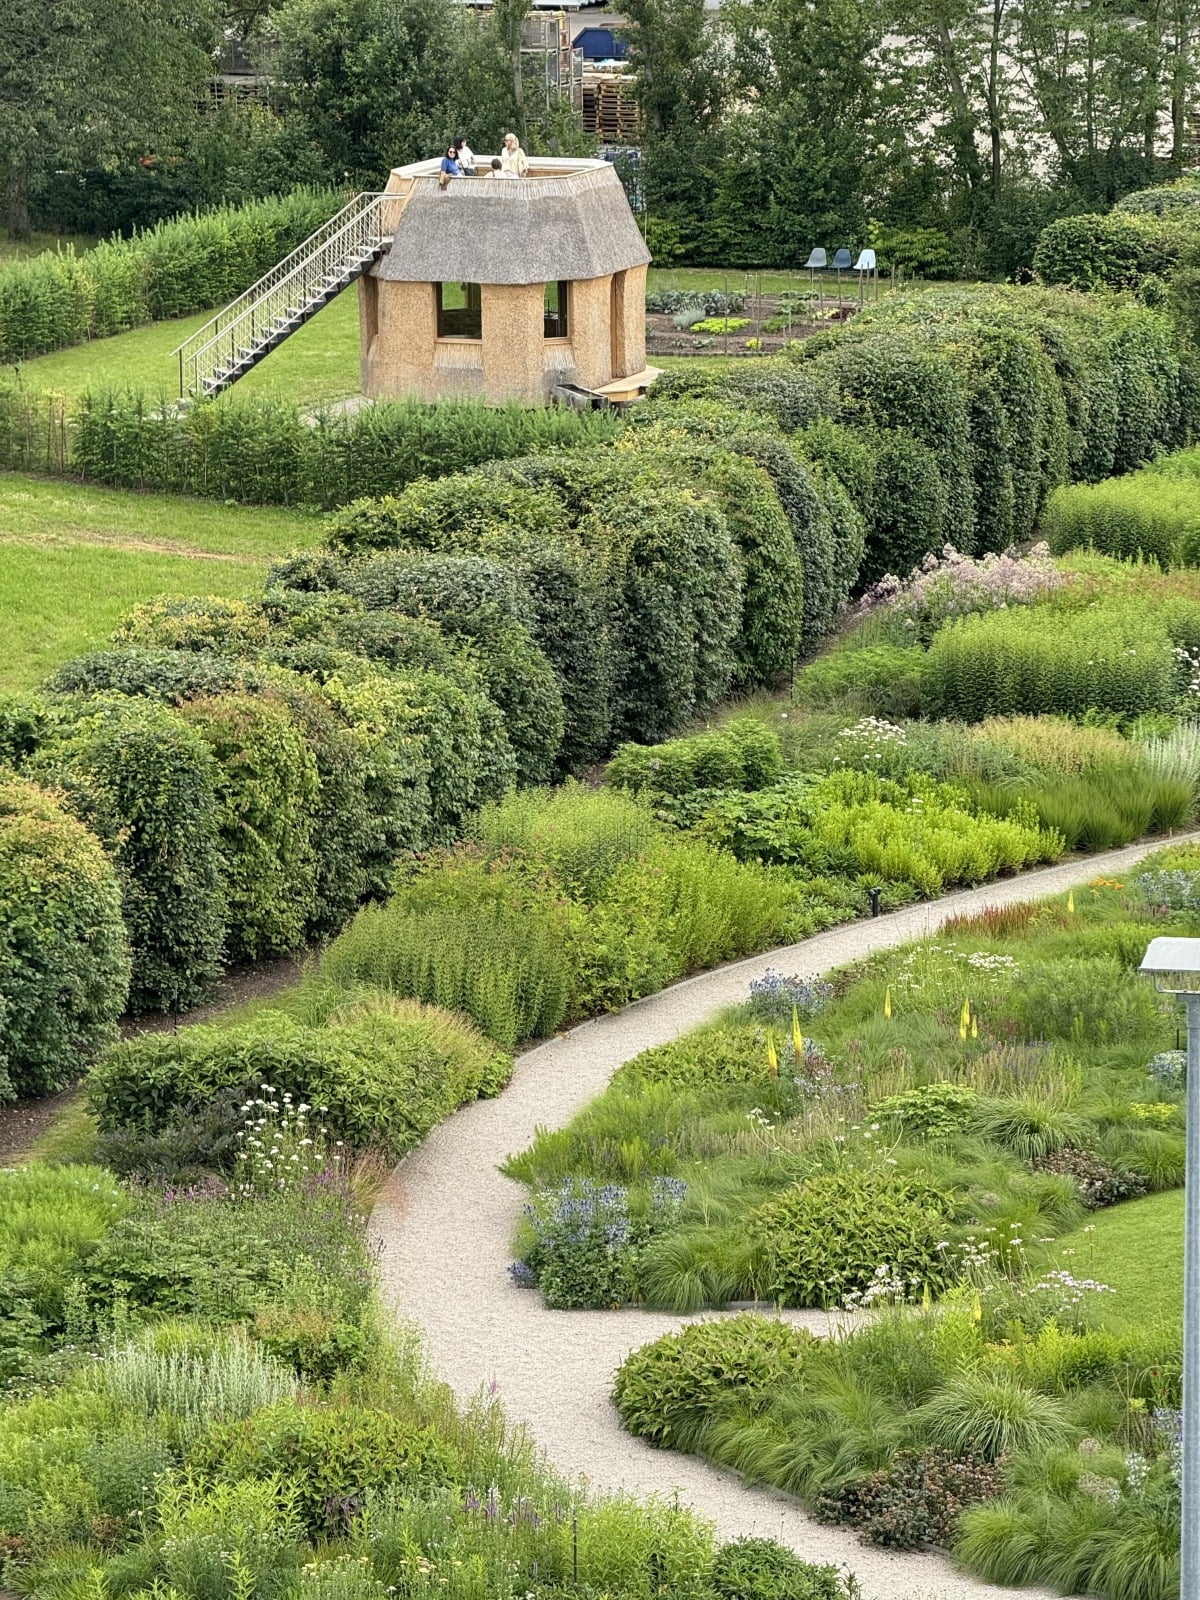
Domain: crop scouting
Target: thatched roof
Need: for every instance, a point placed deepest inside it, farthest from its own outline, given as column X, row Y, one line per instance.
column 570, row 220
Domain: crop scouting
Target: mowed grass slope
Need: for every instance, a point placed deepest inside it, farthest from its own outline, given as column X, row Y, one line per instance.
column 319, row 362
column 1136, row 1249
column 74, row 559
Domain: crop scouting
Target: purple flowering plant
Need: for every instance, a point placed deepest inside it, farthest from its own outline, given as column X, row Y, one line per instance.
column 954, row 585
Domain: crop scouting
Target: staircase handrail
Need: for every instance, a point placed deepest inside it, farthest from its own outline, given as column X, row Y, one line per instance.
column 292, row 267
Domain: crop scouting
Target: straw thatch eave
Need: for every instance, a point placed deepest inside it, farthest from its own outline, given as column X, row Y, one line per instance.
column 531, row 230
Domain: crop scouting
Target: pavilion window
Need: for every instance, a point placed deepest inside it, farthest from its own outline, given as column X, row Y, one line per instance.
column 554, row 324
column 459, row 311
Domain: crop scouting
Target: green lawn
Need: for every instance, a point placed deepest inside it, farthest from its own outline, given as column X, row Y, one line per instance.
column 1137, row 1250
column 74, row 559
column 320, row 362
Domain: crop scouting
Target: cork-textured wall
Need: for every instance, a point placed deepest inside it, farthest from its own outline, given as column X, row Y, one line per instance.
column 514, row 356
column 402, row 355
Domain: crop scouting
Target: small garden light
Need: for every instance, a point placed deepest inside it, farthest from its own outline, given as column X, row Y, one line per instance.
column 1174, row 964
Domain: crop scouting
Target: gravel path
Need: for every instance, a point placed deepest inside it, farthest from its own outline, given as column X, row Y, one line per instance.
column 445, row 1218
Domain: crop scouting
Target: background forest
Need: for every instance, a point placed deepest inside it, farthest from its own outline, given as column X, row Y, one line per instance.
column 946, row 131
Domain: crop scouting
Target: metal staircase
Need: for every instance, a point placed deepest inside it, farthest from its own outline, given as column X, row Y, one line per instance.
column 236, row 339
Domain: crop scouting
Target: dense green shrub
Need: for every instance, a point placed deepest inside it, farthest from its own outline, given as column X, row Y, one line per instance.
column 1039, row 660
column 261, row 449
column 267, row 791
column 189, row 264
column 473, row 600
column 741, row 754
column 823, row 1241
column 158, row 672
column 383, row 1070
column 891, row 379
column 1116, row 251
column 334, row 1456
column 677, row 604
column 64, row 955
column 772, row 565
column 525, row 529
column 770, row 1571
column 665, row 1390
column 439, row 742
column 144, row 782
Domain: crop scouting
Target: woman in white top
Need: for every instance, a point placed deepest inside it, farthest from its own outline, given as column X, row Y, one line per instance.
column 512, row 157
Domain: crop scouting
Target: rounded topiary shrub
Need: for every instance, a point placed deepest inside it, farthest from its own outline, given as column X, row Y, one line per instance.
column 834, row 1236
column 64, row 956
column 144, row 782
column 666, row 1391
column 267, row 791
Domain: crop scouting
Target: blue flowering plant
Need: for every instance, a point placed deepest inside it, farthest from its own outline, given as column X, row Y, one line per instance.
column 774, row 998
column 1169, row 1068
column 585, row 1240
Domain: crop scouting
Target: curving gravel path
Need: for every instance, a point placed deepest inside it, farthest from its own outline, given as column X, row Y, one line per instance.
column 444, row 1222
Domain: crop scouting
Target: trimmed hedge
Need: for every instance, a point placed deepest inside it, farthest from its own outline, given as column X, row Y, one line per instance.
column 267, row 789
column 145, row 783
column 189, row 264
column 262, row 449
column 525, row 529
column 64, row 957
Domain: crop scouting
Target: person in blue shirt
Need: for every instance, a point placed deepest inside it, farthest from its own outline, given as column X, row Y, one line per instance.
column 450, row 167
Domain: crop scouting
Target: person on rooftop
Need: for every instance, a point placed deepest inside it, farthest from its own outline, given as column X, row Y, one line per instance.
column 466, row 158
column 513, row 158
column 450, row 167
column 498, row 169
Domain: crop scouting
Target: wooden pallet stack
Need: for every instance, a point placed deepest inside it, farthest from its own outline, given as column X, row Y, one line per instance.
column 609, row 107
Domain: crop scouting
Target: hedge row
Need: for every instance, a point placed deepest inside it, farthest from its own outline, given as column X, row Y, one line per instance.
column 189, row 264
column 263, row 450
column 254, row 768
column 952, row 414
column 64, row 960
column 1148, row 234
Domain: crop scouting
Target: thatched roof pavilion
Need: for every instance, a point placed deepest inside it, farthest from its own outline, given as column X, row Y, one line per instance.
column 507, row 288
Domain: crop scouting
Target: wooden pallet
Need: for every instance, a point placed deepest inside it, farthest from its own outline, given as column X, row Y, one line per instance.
column 609, row 107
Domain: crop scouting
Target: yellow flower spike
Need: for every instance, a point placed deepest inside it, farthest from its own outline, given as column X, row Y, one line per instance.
column 772, row 1054
column 887, row 1001
column 974, row 1027
column 977, row 1308
column 926, row 1298
column 797, row 1036
column 1071, row 902
column 964, row 1019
